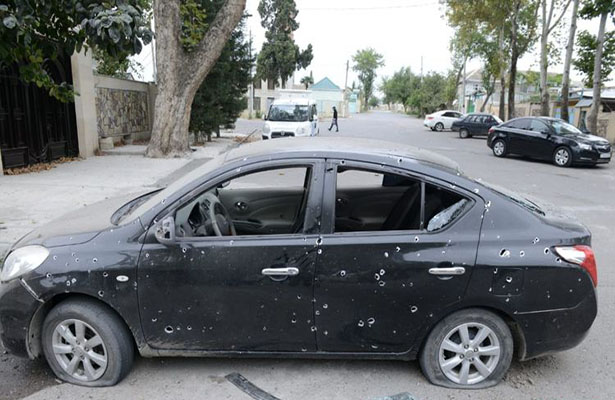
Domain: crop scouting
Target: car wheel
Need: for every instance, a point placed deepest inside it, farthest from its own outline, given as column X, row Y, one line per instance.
column 86, row 344
column 464, row 134
column 499, row 148
column 562, row 157
column 439, row 127
column 469, row 349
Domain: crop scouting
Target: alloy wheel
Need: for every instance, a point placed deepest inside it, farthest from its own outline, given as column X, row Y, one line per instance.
column 439, row 127
column 79, row 350
column 469, row 353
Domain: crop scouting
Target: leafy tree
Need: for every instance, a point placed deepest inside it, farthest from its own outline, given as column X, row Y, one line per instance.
column 400, row 87
column 431, row 95
column 280, row 56
column 34, row 31
column 366, row 62
column 374, row 102
column 307, row 81
column 221, row 97
column 586, row 51
column 593, row 9
column 188, row 45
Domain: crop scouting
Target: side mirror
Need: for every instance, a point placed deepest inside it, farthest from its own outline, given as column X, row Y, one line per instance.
column 264, row 117
column 165, row 231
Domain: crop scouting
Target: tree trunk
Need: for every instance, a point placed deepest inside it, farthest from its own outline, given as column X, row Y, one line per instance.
column 180, row 74
column 512, row 78
column 592, row 118
column 544, row 62
column 217, row 131
column 502, row 108
column 566, row 75
column 489, row 93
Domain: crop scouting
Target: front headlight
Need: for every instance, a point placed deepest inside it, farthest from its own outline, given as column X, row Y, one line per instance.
column 21, row 261
column 584, row 146
column 266, row 128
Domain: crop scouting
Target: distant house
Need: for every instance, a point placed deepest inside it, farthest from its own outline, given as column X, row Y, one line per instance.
column 606, row 113
column 327, row 94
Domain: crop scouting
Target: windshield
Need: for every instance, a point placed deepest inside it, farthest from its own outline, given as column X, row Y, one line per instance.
column 564, row 128
column 288, row 113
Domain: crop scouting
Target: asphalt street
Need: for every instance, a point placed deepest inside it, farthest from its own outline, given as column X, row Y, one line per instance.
column 586, row 372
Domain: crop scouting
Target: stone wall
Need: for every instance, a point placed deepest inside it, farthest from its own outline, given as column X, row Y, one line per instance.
column 123, row 108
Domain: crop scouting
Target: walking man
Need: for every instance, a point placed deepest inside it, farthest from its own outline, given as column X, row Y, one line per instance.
column 334, row 121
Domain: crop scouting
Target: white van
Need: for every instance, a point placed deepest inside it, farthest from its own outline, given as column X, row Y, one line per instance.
column 291, row 117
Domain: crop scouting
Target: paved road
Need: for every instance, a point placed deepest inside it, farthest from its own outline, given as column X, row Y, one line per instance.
column 586, row 372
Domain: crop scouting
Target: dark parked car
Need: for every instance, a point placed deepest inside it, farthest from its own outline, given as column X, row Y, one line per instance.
column 304, row 248
column 549, row 139
column 475, row 124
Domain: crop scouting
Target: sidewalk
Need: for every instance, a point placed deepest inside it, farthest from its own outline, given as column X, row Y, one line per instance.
column 33, row 199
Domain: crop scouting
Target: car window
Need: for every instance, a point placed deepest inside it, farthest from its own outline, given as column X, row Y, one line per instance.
column 480, row 119
column 375, row 201
column 517, row 124
column 470, row 118
column 457, row 115
column 448, row 114
column 537, row 125
column 264, row 202
column 563, row 128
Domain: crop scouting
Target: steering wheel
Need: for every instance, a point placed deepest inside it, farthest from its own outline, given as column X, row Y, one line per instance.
column 221, row 221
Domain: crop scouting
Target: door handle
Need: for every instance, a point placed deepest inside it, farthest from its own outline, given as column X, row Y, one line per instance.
column 290, row 271
column 447, row 271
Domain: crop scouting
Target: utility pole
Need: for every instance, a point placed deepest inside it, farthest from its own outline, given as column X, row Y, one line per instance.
column 421, row 68
column 346, row 80
column 153, row 44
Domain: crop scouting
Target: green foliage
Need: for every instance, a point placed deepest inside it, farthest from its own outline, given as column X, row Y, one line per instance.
column 366, row 62
column 586, row 50
column 594, row 8
column 280, row 56
column 194, row 23
column 374, row 101
column 33, row 31
column 400, row 87
column 431, row 94
column 109, row 65
column 221, row 97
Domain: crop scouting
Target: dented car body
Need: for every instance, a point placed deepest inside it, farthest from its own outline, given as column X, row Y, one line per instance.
column 372, row 272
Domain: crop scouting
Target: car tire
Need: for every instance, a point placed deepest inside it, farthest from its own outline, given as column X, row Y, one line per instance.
column 463, row 133
column 106, row 362
column 439, row 127
column 496, row 355
column 499, row 148
column 562, row 157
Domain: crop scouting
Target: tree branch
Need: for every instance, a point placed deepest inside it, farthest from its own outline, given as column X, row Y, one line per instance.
column 199, row 62
column 560, row 17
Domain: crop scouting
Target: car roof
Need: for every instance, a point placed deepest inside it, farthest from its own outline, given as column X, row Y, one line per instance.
column 293, row 100
column 333, row 147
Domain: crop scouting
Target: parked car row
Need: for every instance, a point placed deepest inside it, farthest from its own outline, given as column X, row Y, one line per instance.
column 541, row 138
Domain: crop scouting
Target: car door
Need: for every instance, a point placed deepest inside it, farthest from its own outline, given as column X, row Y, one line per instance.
column 447, row 119
column 233, row 293
column 538, row 139
column 373, row 289
column 516, row 131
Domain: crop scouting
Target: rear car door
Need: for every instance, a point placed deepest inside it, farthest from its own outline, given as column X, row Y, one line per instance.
column 516, row 131
column 537, row 139
column 376, row 287
column 247, row 292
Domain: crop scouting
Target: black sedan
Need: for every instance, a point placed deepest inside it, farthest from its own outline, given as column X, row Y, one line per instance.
column 475, row 124
column 548, row 139
column 304, row 248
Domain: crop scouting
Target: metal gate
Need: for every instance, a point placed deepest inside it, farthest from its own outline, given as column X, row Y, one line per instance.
column 34, row 127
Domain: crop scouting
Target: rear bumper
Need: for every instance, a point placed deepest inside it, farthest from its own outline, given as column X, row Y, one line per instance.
column 552, row 331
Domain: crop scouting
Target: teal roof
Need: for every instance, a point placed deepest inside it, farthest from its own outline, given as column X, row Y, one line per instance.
column 325, row 84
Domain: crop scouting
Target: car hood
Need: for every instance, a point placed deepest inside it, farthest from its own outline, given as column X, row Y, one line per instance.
column 77, row 226
column 588, row 139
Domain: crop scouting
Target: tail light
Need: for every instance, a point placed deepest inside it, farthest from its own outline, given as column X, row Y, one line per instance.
column 428, row 117
column 582, row 256
column 492, row 129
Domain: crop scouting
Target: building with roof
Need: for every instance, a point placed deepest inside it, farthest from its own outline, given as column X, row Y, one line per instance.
column 583, row 101
column 327, row 94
